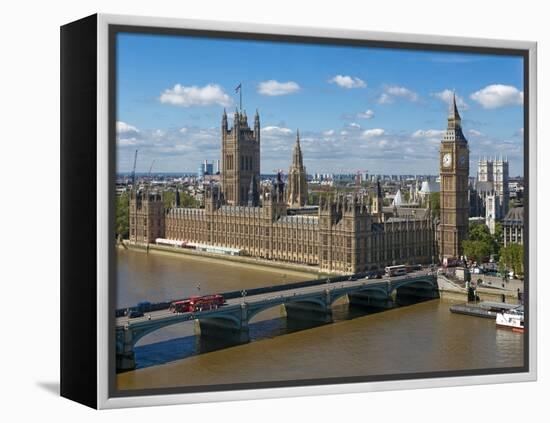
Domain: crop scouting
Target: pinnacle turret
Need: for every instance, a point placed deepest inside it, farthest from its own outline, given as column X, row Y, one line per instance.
column 297, row 177
column 297, row 158
column 454, row 119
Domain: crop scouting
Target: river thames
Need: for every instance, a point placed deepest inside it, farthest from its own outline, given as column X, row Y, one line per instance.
column 422, row 337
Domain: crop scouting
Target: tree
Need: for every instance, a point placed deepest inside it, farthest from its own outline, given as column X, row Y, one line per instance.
column 512, row 258
column 498, row 237
column 313, row 198
column 168, row 198
column 435, row 204
column 476, row 250
column 186, row 199
column 121, row 216
column 480, row 232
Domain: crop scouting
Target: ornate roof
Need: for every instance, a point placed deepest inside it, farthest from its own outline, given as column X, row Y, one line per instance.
column 514, row 216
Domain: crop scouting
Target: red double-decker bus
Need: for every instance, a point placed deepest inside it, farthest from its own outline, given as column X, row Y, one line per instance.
column 192, row 304
column 181, row 306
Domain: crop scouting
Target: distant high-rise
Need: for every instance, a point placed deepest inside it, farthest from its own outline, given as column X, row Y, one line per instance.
column 206, row 169
column 297, row 178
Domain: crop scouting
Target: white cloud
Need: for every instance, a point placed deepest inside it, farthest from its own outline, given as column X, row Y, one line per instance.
column 475, row 133
column 372, row 133
column 354, row 125
column 346, row 81
column 368, row 114
column 446, row 96
column 275, row 88
column 158, row 133
column 127, row 142
column 394, row 92
column 125, row 128
column 428, row 133
column 276, row 130
column 379, row 150
column 498, row 95
column 385, row 99
column 183, row 96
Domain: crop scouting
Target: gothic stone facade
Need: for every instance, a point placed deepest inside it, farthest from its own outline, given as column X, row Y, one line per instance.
column 240, row 172
column 454, row 173
column 146, row 216
column 342, row 237
column 490, row 195
column 345, row 234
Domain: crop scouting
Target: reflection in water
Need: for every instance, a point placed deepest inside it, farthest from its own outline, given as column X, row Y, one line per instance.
column 423, row 337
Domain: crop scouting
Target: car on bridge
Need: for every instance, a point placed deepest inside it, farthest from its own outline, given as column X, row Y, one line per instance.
column 135, row 313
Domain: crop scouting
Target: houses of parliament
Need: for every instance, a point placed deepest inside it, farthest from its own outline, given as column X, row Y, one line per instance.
column 343, row 233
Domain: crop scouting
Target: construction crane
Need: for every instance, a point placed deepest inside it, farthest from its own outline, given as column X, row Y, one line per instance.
column 134, row 170
column 150, row 168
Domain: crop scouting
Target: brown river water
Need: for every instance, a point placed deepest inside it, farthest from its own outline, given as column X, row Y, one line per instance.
column 422, row 337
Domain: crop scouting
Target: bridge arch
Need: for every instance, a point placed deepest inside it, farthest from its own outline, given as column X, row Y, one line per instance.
column 414, row 281
column 253, row 311
column 138, row 333
column 334, row 296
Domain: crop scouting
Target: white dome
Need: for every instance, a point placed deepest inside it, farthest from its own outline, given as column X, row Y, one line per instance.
column 428, row 187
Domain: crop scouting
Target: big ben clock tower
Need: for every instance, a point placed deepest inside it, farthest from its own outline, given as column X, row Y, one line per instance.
column 454, row 169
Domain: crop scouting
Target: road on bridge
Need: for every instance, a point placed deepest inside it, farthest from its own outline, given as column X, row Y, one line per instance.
column 124, row 321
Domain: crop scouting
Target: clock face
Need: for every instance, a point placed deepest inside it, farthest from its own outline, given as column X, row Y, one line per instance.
column 447, row 160
column 462, row 160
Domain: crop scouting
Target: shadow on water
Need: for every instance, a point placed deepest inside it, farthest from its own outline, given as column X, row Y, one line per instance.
column 183, row 347
column 188, row 346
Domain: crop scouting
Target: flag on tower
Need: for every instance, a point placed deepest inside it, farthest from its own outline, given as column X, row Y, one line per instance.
column 239, row 90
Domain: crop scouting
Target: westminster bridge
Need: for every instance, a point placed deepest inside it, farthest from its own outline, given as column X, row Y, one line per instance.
column 302, row 301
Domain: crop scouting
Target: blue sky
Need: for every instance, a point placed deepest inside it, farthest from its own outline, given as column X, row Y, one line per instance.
column 381, row 110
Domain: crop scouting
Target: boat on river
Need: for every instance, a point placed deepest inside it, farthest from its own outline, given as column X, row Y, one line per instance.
column 511, row 319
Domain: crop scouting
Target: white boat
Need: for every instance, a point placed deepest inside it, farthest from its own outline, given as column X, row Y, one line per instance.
column 511, row 319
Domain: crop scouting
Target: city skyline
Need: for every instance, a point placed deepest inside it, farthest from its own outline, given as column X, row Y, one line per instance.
column 356, row 108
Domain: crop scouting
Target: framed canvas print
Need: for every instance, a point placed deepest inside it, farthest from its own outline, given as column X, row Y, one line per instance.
column 255, row 211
